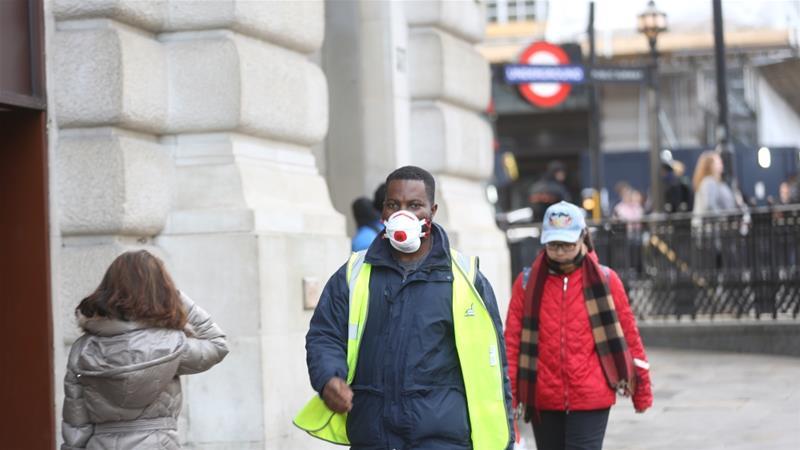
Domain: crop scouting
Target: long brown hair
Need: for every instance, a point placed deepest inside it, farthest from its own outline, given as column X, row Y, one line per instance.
column 703, row 168
column 137, row 287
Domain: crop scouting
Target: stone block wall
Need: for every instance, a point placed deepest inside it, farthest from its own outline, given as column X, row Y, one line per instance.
column 415, row 96
column 186, row 127
column 450, row 86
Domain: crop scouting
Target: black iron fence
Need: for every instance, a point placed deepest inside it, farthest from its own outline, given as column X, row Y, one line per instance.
column 678, row 266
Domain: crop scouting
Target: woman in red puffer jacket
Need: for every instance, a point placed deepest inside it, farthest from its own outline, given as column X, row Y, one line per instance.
column 572, row 339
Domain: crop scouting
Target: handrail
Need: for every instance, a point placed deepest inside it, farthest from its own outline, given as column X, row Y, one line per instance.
column 733, row 264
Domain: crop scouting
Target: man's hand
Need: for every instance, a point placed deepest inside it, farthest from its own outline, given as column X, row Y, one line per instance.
column 337, row 395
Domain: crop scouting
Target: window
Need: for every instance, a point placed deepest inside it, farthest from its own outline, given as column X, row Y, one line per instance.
column 513, row 9
column 504, row 11
column 530, row 9
column 491, row 12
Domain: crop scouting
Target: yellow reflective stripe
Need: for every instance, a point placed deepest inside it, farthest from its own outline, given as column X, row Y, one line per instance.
column 468, row 265
column 352, row 331
column 354, row 267
column 356, row 318
column 359, row 306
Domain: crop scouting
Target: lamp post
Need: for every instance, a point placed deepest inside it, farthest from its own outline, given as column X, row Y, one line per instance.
column 724, row 145
column 651, row 23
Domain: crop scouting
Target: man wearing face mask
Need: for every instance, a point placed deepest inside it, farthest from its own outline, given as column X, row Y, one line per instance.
column 405, row 347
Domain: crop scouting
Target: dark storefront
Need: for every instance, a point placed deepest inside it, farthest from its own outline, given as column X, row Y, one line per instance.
column 26, row 373
column 537, row 136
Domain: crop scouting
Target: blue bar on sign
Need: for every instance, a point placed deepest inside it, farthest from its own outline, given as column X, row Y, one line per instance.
column 528, row 73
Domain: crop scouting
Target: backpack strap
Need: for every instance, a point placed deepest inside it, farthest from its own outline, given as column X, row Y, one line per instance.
column 526, row 274
column 607, row 271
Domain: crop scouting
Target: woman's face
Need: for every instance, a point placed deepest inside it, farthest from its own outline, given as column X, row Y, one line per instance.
column 784, row 192
column 562, row 252
column 716, row 166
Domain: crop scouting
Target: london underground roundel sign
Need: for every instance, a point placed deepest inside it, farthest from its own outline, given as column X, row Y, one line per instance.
column 544, row 95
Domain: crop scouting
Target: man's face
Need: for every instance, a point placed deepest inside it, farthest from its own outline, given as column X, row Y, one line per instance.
column 409, row 195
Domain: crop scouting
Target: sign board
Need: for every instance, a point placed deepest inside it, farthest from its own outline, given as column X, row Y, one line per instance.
column 572, row 74
column 545, row 77
column 525, row 73
column 618, row 74
column 545, row 94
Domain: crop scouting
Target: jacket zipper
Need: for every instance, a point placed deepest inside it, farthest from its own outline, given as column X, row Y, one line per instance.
column 405, row 280
column 563, row 346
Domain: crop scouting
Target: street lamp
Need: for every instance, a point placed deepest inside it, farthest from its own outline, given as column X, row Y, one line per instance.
column 653, row 22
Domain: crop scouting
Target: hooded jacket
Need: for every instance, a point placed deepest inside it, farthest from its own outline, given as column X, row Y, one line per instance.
column 569, row 374
column 408, row 391
column 122, row 389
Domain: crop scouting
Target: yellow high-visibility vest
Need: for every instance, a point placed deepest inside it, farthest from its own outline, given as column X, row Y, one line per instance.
column 478, row 352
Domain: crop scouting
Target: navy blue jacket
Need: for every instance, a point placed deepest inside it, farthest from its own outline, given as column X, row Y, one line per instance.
column 408, row 390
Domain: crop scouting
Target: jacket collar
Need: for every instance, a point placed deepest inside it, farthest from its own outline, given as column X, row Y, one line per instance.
column 592, row 255
column 104, row 326
column 380, row 252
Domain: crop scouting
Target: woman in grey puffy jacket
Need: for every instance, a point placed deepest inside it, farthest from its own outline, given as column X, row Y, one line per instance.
column 122, row 389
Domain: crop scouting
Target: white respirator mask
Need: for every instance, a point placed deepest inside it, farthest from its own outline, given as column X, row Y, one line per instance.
column 404, row 231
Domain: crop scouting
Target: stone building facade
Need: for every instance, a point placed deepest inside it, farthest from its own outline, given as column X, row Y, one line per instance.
column 229, row 137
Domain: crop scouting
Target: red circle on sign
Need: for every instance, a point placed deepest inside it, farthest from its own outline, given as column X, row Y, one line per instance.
column 544, row 101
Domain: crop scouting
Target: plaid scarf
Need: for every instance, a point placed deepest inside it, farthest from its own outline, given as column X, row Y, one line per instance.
column 610, row 344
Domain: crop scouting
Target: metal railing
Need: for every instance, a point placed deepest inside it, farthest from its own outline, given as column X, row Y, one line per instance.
column 716, row 266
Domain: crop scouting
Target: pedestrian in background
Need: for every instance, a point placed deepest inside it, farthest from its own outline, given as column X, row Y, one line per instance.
column 122, row 389
column 789, row 190
column 549, row 190
column 572, row 339
column 678, row 195
column 368, row 224
column 713, row 197
column 631, row 211
column 712, row 194
column 631, row 208
column 784, row 193
column 378, row 197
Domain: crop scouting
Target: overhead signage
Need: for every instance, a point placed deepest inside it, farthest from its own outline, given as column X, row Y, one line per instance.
column 545, row 76
column 545, row 94
column 572, row 74
column 525, row 73
column 618, row 75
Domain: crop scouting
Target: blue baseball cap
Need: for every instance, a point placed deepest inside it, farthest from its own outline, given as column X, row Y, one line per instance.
column 563, row 222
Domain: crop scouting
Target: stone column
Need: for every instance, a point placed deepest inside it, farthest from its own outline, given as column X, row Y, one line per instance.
column 365, row 58
column 185, row 127
column 410, row 88
column 450, row 86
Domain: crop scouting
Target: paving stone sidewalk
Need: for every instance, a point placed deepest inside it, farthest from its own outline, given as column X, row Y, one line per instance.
column 711, row 400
